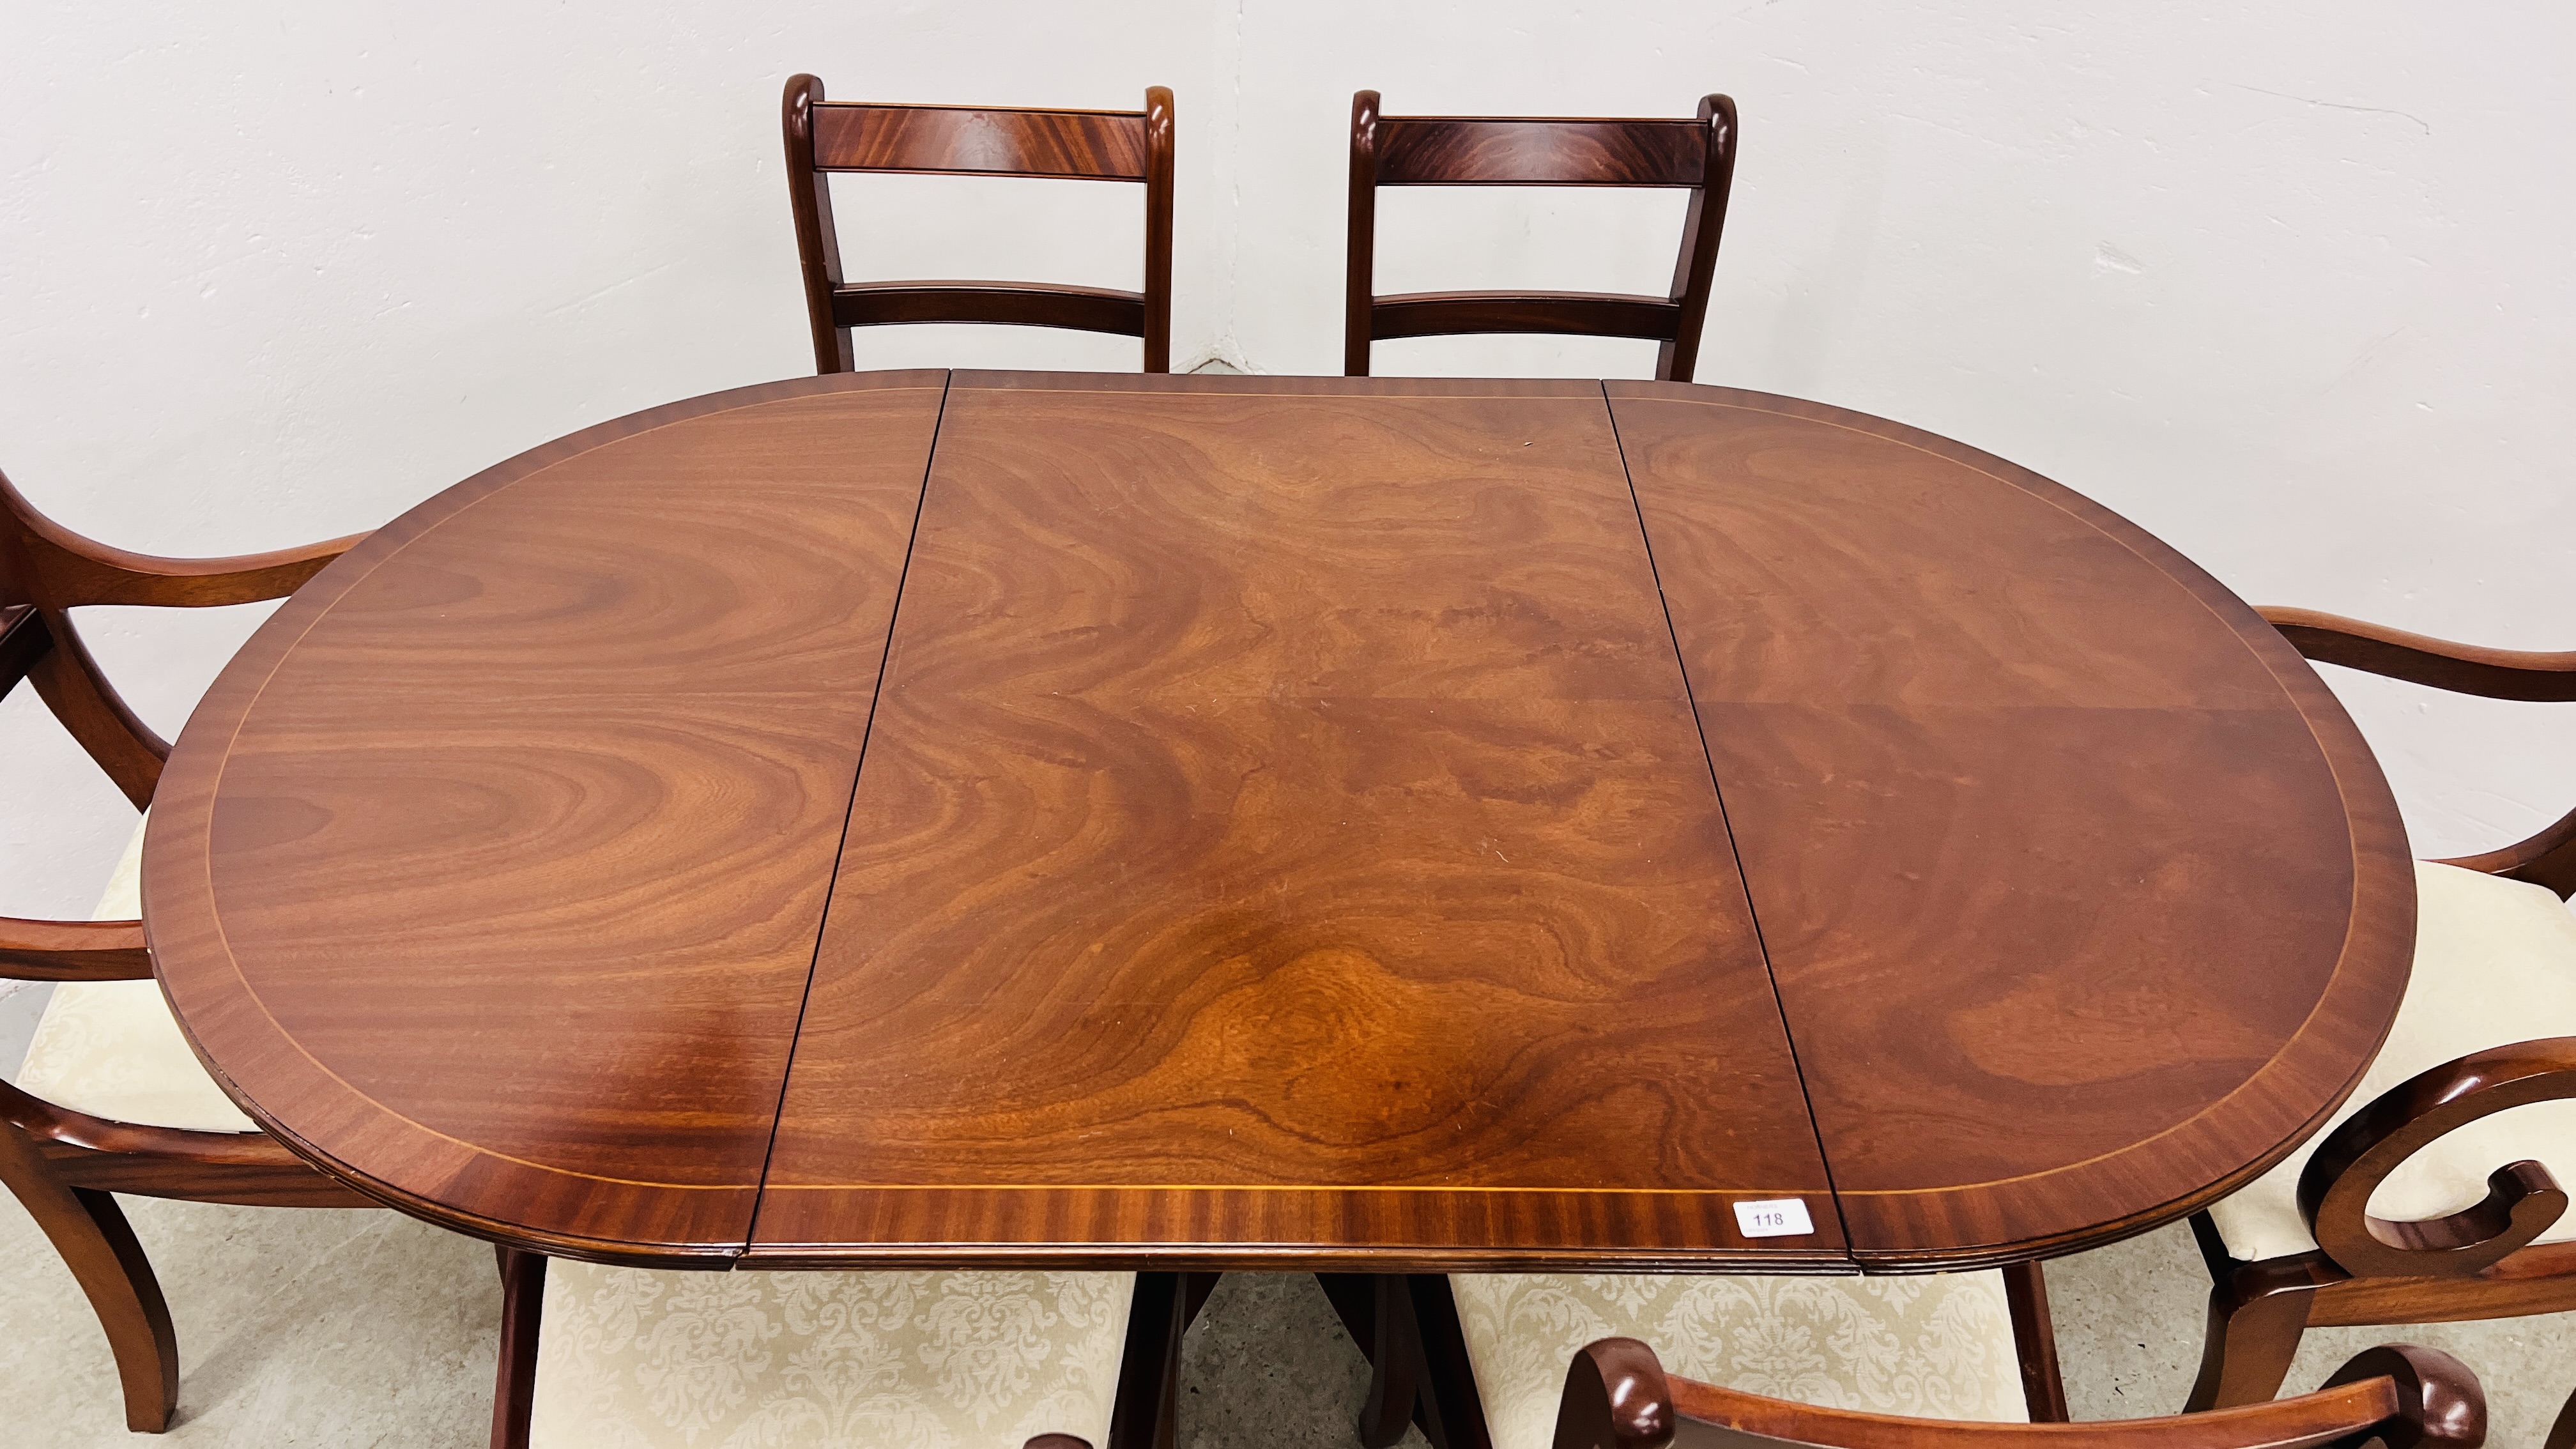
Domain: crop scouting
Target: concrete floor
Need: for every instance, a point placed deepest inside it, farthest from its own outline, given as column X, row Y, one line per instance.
column 361, row 1329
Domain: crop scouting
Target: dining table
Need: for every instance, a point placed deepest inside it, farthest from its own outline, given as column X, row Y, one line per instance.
column 1015, row 819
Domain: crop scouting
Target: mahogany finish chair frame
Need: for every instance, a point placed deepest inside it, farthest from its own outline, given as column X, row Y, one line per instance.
column 1141, row 1414
column 832, row 136
column 2474, row 1264
column 1617, row 1396
column 1696, row 155
column 65, row 1164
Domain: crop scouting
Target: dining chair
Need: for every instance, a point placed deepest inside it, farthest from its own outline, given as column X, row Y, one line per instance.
column 1617, row 1395
column 2425, row 1199
column 111, row 1099
column 642, row 1358
column 1472, row 1357
column 1694, row 155
column 828, row 136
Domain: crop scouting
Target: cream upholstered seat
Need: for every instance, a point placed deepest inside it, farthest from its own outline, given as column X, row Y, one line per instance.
column 112, row 1049
column 2495, row 963
column 1935, row 1346
column 632, row 1358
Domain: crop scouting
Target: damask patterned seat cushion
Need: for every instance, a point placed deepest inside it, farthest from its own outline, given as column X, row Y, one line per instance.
column 112, row 1049
column 630, row 1358
column 2495, row 963
column 1937, row 1346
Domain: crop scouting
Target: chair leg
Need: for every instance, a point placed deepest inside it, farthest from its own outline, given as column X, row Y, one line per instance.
column 1149, row 1377
column 89, row 1230
column 523, row 1303
column 2257, row 1316
column 2035, row 1343
column 1457, row 1413
column 1394, row 1381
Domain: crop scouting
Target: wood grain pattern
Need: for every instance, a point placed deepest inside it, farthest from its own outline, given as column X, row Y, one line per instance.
column 1286, row 835
column 608, row 698
column 1539, row 151
column 2084, row 901
column 1284, row 825
column 981, row 141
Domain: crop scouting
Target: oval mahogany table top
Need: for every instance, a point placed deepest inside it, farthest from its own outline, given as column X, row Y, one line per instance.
column 989, row 818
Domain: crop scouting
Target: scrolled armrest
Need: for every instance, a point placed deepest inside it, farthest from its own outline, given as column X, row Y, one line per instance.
column 73, row 950
column 2439, row 1401
column 2522, row 1198
column 1616, row 1396
column 2421, row 659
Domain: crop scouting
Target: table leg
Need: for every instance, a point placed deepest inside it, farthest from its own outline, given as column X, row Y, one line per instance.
column 2035, row 1342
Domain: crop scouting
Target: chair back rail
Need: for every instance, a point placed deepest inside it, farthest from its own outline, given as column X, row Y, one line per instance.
column 1085, row 309
column 982, row 141
column 1617, row 1396
column 1539, row 151
column 1697, row 155
column 826, row 137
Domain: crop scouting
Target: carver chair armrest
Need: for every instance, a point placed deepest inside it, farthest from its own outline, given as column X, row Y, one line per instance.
column 60, row 569
column 73, row 950
column 2418, row 658
column 2522, row 1199
column 2546, row 859
column 1617, row 1396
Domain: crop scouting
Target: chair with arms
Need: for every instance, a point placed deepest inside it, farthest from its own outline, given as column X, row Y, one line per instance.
column 2426, row 1199
column 1695, row 155
column 111, row 1099
column 825, row 137
column 1618, row 1396
column 594, row 1355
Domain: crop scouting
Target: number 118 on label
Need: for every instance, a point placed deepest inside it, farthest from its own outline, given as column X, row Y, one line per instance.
column 1782, row 1217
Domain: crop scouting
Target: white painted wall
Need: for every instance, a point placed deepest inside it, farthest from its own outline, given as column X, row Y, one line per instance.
column 2284, row 282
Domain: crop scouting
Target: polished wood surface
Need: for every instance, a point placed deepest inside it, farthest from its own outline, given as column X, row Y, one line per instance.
column 1286, row 833
column 1696, row 155
column 1617, row 1396
column 2084, row 900
column 551, row 773
column 63, row 1165
column 1285, row 809
column 824, row 137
